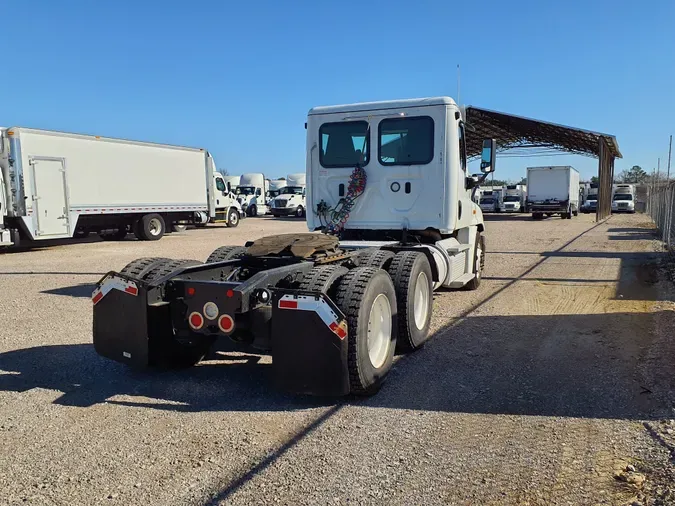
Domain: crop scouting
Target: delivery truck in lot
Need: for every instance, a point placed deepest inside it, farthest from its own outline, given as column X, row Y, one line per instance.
column 590, row 204
column 623, row 198
column 514, row 198
column 391, row 219
column 291, row 198
column 252, row 193
column 59, row 185
column 552, row 190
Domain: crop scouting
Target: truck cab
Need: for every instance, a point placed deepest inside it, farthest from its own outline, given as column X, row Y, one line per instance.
column 514, row 199
column 251, row 194
column 489, row 202
column 291, row 200
column 623, row 198
column 227, row 209
column 590, row 204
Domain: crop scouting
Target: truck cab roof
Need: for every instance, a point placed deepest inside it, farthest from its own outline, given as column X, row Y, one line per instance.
column 385, row 104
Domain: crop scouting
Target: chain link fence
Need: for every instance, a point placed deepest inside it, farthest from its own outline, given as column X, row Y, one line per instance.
column 662, row 210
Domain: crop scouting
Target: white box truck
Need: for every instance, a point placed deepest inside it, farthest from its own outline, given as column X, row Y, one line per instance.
column 251, row 193
column 514, row 198
column 59, row 185
column 291, row 198
column 623, row 198
column 552, row 190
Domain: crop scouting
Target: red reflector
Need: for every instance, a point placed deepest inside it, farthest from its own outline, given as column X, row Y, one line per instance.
column 196, row 321
column 132, row 290
column 288, row 304
column 97, row 297
column 230, row 293
column 190, row 291
column 226, row 323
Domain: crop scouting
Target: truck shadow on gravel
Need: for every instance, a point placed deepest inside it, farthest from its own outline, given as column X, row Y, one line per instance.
column 223, row 382
column 558, row 365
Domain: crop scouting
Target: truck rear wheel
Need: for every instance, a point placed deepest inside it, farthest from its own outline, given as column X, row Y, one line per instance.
column 151, row 227
column 138, row 268
column 159, row 270
column 323, row 279
column 252, row 210
column 226, row 253
column 232, row 217
column 411, row 274
column 380, row 258
column 366, row 296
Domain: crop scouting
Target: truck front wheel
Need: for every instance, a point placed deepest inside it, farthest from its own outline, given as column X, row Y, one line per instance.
column 300, row 212
column 232, row 217
column 411, row 273
column 366, row 296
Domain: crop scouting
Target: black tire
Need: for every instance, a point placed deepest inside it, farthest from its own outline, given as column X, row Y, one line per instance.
column 406, row 269
column 355, row 296
column 179, row 227
column 252, row 210
column 162, row 269
column 232, row 217
column 477, row 266
column 152, row 227
column 226, row 253
column 576, row 213
column 141, row 266
column 380, row 258
column 300, row 212
column 323, row 279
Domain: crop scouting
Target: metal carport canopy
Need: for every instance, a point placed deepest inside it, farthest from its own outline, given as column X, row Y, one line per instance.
column 543, row 138
column 513, row 132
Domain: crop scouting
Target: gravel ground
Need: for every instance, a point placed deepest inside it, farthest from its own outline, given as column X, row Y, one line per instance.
column 551, row 384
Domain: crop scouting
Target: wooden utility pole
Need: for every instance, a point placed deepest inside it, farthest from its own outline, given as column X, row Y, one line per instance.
column 670, row 149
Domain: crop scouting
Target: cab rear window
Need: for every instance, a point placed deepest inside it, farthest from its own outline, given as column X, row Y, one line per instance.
column 344, row 144
column 406, row 141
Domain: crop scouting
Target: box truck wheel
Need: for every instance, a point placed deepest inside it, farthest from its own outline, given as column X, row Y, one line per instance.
column 152, row 227
column 323, row 279
column 232, row 217
column 380, row 258
column 226, row 253
column 366, row 296
column 138, row 268
column 478, row 263
column 411, row 274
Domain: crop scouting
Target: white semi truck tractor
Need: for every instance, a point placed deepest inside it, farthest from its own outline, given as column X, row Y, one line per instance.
column 291, row 200
column 391, row 219
column 252, row 193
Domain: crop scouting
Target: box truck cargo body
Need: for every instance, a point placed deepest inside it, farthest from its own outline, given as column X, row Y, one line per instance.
column 552, row 190
column 60, row 185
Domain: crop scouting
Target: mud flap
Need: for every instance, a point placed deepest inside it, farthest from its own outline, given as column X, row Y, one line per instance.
column 121, row 320
column 309, row 344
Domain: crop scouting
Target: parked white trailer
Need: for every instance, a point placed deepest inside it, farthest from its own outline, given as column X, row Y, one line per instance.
column 553, row 190
column 291, row 198
column 251, row 193
column 60, row 185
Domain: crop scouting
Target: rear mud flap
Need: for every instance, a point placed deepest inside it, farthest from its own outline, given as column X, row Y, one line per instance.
column 309, row 344
column 121, row 320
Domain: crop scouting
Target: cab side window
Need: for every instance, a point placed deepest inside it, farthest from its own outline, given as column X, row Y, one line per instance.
column 220, row 184
column 462, row 147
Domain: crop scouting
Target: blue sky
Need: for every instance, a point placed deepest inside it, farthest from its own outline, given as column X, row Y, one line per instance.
column 239, row 77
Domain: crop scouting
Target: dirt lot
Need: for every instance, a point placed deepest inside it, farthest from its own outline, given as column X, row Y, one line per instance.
column 551, row 384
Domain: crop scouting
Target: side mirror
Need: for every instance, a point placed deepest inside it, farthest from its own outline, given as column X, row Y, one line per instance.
column 488, row 156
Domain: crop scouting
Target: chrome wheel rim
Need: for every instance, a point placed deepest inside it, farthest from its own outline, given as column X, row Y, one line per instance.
column 379, row 330
column 155, row 227
column 421, row 300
